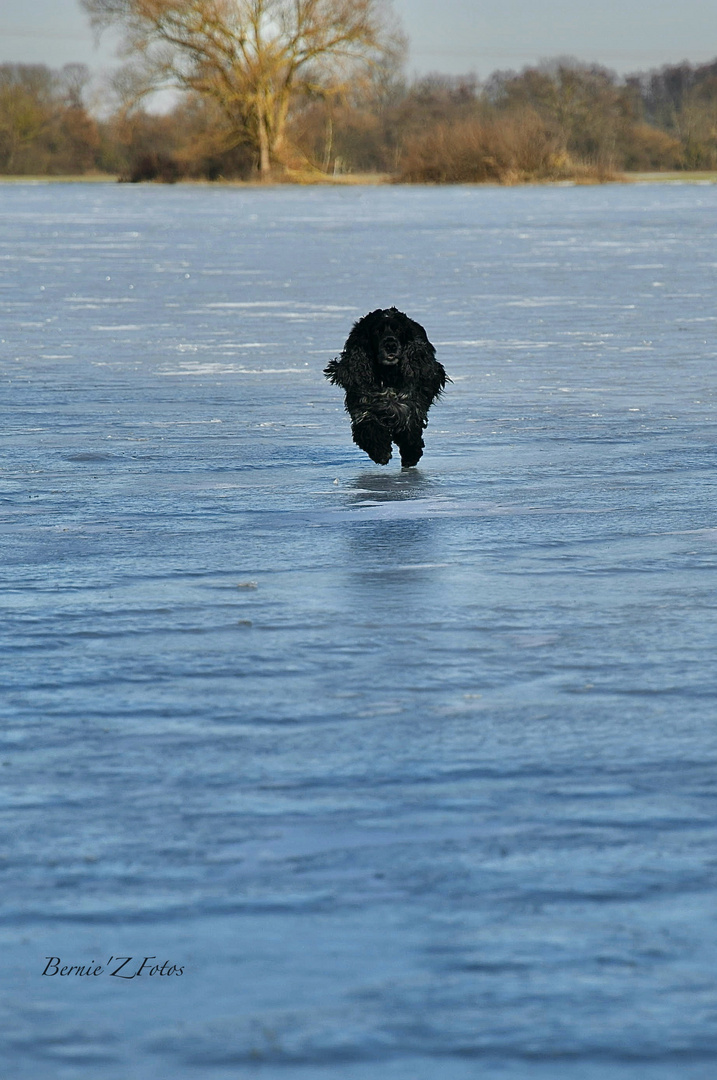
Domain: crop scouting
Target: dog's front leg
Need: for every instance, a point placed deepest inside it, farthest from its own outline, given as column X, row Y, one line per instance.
column 411, row 446
column 373, row 438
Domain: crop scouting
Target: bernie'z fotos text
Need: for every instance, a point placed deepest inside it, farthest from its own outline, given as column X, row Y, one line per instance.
column 122, row 967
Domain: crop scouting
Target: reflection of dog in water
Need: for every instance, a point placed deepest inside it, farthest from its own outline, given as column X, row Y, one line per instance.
column 389, row 371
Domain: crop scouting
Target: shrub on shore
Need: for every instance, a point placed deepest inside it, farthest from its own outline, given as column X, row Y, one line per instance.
column 509, row 149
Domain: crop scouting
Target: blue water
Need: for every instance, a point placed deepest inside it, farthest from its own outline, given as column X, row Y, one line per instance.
column 412, row 772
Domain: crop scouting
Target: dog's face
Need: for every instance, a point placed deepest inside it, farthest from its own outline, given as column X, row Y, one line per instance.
column 389, row 347
column 392, row 334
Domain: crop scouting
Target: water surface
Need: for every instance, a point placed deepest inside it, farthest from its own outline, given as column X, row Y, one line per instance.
column 413, row 771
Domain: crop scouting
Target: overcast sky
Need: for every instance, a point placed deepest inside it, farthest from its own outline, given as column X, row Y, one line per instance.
column 445, row 35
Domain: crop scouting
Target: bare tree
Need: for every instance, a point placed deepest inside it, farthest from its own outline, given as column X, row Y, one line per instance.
column 251, row 56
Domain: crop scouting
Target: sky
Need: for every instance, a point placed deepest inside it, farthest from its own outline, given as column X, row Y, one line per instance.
column 450, row 36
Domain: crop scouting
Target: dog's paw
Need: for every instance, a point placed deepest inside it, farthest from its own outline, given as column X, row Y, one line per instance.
column 381, row 457
column 411, row 455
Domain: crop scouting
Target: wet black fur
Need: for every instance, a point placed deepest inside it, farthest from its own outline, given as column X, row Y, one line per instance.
column 389, row 371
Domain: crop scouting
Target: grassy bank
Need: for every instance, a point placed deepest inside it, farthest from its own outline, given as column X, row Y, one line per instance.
column 374, row 179
column 676, row 176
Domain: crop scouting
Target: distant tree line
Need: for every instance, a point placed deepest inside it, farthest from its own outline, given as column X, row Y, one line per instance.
column 562, row 119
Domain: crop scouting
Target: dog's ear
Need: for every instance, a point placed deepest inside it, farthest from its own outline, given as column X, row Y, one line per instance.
column 421, row 368
column 353, row 370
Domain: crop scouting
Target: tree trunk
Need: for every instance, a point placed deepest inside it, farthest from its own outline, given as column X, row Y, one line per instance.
column 264, row 148
column 328, row 143
column 278, row 109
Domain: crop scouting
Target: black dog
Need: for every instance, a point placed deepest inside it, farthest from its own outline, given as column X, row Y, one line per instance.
column 389, row 371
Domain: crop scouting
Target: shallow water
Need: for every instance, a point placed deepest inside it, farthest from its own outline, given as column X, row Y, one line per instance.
column 412, row 772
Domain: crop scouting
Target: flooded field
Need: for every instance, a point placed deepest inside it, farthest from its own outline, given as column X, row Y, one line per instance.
column 412, row 773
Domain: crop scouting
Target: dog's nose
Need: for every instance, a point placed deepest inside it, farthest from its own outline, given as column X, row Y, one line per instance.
column 390, row 348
